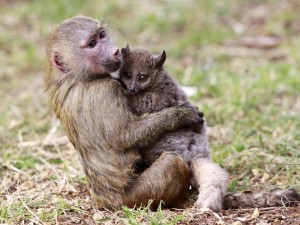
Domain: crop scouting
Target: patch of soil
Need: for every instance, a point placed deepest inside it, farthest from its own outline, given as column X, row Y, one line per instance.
column 272, row 216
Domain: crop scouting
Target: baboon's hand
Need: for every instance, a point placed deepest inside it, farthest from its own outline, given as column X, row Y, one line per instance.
column 194, row 117
column 188, row 105
column 201, row 114
column 197, row 128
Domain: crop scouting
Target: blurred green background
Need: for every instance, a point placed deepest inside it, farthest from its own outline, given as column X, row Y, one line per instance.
column 248, row 90
column 241, row 56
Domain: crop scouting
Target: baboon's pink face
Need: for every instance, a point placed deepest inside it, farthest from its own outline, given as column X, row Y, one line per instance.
column 100, row 53
column 83, row 46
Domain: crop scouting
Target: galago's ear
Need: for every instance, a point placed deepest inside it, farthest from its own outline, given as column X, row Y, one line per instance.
column 160, row 60
column 125, row 51
column 59, row 63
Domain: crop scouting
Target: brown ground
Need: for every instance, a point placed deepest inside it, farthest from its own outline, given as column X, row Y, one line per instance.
column 41, row 175
column 193, row 216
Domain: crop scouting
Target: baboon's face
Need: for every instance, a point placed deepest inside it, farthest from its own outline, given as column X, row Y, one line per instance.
column 83, row 46
column 100, row 53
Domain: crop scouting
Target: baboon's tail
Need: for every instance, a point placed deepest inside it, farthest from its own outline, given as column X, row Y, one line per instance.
column 277, row 197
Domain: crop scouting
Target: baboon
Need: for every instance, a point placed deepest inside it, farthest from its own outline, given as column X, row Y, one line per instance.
column 151, row 89
column 96, row 116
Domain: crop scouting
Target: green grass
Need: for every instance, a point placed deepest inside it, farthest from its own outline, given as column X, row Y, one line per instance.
column 145, row 215
column 251, row 102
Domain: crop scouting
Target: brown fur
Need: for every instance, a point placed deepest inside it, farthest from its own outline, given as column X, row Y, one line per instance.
column 157, row 91
column 274, row 198
column 152, row 89
column 98, row 121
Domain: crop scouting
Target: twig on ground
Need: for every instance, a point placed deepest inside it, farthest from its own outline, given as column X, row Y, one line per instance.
column 51, row 132
column 55, row 141
column 251, row 209
column 11, row 167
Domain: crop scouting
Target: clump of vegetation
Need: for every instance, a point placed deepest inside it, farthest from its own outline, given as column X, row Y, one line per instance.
column 240, row 57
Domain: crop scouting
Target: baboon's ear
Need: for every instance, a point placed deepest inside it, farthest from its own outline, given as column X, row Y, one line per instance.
column 125, row 51
column 160, row 60
column 59, row 63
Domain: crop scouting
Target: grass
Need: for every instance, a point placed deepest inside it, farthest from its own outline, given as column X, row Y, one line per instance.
column 250, row 96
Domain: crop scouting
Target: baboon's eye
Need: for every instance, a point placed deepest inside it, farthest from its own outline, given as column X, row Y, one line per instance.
column 102, row 34
column 92, row 43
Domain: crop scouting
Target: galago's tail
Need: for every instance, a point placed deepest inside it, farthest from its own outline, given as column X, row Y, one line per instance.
column 274, row 198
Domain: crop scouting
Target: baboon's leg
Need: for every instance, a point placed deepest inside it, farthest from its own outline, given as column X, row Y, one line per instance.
column 212, row 181
column 167, row 179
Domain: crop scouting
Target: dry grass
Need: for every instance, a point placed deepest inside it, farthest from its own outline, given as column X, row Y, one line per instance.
column 248, row 89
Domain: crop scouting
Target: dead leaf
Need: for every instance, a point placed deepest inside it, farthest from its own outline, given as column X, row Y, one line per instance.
column 242, row 219
column 237, row 223
column 255, row 171
column 265, row 177
column 255, row 214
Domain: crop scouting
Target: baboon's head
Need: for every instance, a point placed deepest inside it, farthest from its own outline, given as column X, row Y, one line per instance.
column 139, row 69
column 82, row 47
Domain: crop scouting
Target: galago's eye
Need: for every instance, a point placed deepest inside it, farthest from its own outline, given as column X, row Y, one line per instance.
column 102, row 34
column 127, row 76
column 143, row 77
column 92, row 43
